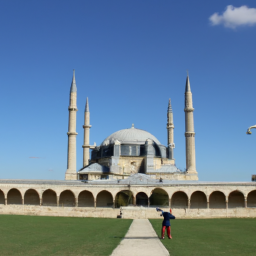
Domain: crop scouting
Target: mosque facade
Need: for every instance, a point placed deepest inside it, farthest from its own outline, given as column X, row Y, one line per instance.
column 132, row 171
column 130, row 151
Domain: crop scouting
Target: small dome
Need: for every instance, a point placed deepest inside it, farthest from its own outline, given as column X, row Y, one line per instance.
column 130, row 136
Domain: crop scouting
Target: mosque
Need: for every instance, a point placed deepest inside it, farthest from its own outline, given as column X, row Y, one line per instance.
column 130, row 151
column 132, row 171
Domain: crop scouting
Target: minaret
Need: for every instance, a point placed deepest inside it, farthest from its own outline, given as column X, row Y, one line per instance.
column 71, row 171
column 170, row 128
column 189, row 133
column 86, row 127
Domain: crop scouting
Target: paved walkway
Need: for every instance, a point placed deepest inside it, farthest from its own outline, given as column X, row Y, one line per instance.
column 141, row 239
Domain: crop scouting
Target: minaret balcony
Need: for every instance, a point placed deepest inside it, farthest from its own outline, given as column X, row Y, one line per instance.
column 188, row 109
column 170, row 126
column 89, row 146
column 172, row 145
column 72, row 133
column 190, row 134
column 73, row 108
column 87, row 126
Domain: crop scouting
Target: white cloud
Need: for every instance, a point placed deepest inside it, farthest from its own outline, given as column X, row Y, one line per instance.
column 235, row 16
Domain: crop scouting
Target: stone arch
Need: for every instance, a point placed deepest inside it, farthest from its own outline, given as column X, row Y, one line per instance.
column 198, row 200
column 251, row 199
column 104, row 199
column 123, row 198
column 85, row 199
column 236, row 199
column 217, row 200
column 14, row 196
column 159, row 197
column 179, row 200
column 141, row 199
column 31, row 197
column 67, row 199
column 2, row 199
column 49, row 198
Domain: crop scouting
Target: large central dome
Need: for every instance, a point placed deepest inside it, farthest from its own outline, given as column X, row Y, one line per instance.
column 131, row 135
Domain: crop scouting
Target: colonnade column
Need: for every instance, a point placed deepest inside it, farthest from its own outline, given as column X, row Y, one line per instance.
column 41, row 201
column 5, row 200
column 245, row 202
column 134, row 200
column 58, row 201
column 22, row 200
column 170, row 203
column 94, row 203
column 188, row 203
column 76, row 199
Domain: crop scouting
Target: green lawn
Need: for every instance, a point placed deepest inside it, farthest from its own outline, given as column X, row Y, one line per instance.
column 33, row 235
column 210, row 237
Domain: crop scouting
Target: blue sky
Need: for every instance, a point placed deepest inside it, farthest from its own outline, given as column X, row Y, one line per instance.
column 130, row 57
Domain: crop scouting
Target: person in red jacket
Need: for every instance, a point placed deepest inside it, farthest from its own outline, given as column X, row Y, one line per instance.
column 166, row 222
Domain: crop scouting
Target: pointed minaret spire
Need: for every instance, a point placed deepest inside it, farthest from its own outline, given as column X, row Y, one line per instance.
column 188, row 89
column 73, row 84
column 170, row 132
column 86, row 126
column 169, row 107
column 87, row 105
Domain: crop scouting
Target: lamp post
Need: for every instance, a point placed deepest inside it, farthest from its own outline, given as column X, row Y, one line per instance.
column 249, row 132
column 249, row 129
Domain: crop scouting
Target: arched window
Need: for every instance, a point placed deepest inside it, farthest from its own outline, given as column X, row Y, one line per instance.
column 85, row 199
column 236, row 200
column 123, row 198
column 104, row 199
column 2, row 201
column 159, row 198
column 251, row 199
column 217, row 200
column 198, row 200
column 179, row 200
column 141, row 199
column 14, row 197
column 31, row 197
column 67, row 199
column 49, row 198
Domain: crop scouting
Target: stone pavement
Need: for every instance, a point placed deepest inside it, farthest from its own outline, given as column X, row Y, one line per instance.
column 141, row 239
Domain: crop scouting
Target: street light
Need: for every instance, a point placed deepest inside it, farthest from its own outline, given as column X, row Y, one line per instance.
column 249, row 129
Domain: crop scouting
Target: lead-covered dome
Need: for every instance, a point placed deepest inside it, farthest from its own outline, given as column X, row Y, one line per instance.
column 130, row 136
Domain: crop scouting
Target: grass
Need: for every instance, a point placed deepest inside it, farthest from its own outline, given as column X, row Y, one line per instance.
column 210, row 237
column 34, row 235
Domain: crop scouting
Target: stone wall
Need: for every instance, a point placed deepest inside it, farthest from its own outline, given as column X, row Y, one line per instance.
column 127, row 212
column 140, row 212
column 59, row 211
